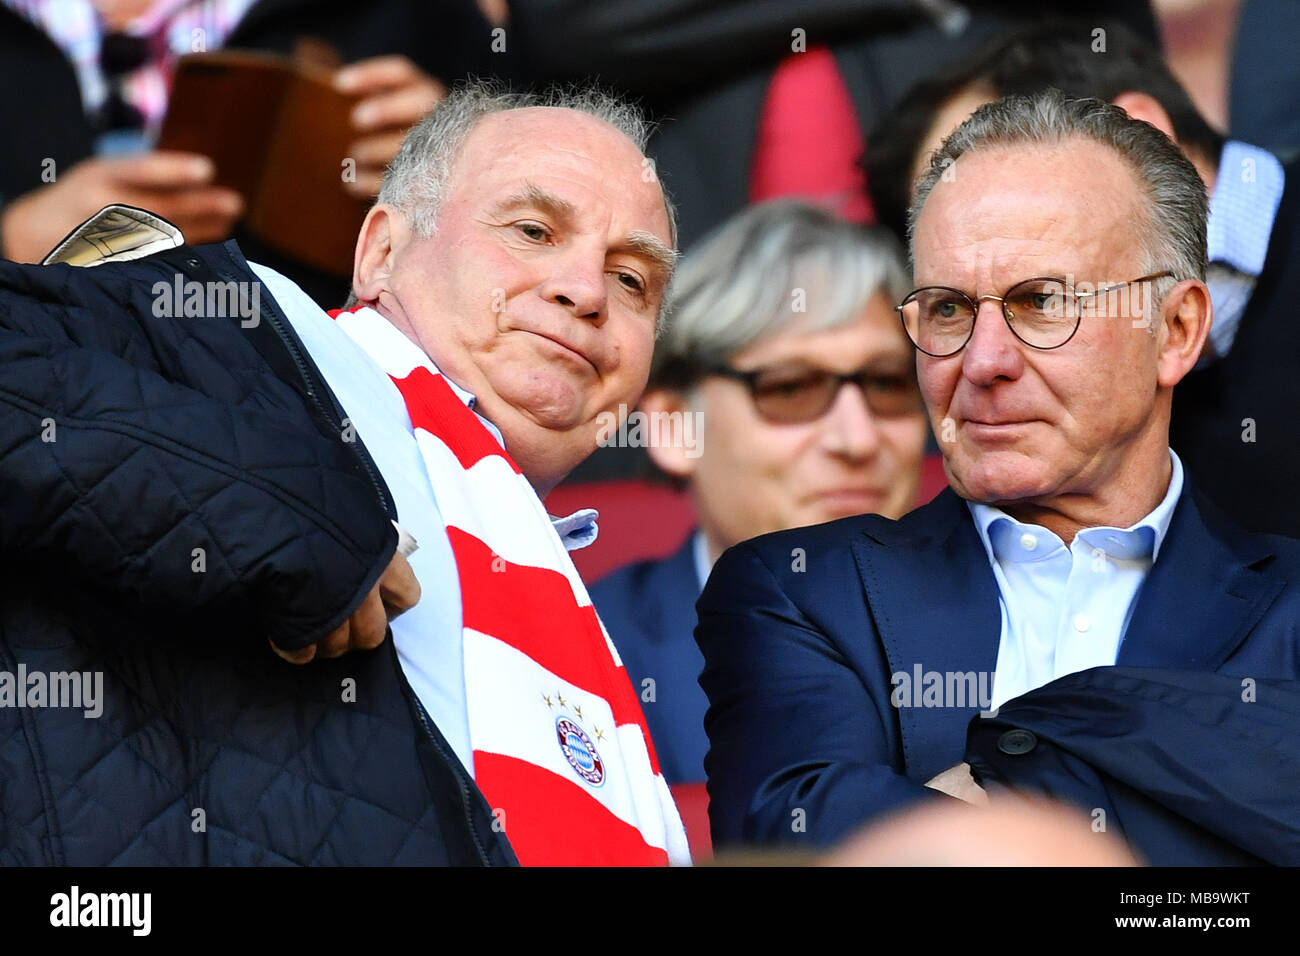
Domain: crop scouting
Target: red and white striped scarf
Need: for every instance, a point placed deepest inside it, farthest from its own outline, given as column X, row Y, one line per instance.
column 560, row 746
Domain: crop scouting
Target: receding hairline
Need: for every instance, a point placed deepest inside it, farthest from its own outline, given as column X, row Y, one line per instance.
column 640, row 240
column 1067, row 143
column 497, row 117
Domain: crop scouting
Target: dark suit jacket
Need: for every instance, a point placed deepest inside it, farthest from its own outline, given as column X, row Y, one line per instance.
column 649, row 611
column 802, row 630
column 1256, row 482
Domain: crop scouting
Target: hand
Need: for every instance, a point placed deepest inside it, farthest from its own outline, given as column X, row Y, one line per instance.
column 395, row 96
column 175, row 185
column 958, row 782
column 396, row 591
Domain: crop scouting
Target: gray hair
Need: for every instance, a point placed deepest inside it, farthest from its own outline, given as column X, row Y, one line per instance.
column 417, row 178
column 749, row 278
column 1174, row 233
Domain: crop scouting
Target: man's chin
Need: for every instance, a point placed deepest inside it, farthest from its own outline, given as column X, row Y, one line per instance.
column 552, row 405
column 992, row 482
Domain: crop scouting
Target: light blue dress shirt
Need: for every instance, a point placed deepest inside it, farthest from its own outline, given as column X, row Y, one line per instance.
column 700, row 551
column 1066, row 609
column 429, row 636
column 1247, row 193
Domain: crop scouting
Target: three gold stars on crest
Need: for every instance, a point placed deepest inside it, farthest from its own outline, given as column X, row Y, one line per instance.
column 577, row 710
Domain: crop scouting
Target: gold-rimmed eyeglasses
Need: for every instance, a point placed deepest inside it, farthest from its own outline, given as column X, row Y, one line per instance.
column 1043, row 312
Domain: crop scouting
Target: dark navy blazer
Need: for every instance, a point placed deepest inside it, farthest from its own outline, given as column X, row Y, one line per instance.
column 649, row 611
column 801, row 631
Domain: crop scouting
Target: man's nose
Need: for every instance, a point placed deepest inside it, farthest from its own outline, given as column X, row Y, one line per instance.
column 577, row 282
column 993, row 351
column 849, row 428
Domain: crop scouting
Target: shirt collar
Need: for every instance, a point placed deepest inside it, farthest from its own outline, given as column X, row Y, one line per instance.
column 469, row 400
column 1006, row 539
column 1247, row 193
column 700, row 552
column 577, row 530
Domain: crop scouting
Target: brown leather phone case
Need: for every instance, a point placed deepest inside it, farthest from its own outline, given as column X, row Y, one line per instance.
column 278, row 133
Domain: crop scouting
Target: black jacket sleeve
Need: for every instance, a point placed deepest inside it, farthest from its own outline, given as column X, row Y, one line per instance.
column 161, row 460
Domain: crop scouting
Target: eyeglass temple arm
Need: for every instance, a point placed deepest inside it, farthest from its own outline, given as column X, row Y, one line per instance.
column 1112, row 288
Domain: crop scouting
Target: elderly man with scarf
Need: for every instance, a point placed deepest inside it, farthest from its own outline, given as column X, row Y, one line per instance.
column 186, row 480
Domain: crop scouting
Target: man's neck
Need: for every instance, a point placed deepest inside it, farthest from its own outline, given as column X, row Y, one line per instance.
column 1067, row 515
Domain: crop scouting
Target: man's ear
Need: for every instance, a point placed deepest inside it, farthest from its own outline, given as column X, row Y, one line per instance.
column 1145, row 107
column 666, row 432
column 382, row 235
column 1186, row 317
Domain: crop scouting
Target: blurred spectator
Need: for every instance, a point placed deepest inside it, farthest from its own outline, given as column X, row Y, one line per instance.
column 1060, row 53
column 1233, row 421
column 1013, row 832
column 747, row 405
column 760, row 101
column 1196, row 37
column 86, row 80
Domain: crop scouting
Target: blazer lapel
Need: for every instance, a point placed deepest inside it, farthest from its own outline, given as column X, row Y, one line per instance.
column 935, row 604
column 1202, row 597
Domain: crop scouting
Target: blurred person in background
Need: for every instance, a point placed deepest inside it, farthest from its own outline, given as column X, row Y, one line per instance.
column 792, row 394
column 87, row 82
column 770, row 100
column 1012, row 832
column 1264, row 85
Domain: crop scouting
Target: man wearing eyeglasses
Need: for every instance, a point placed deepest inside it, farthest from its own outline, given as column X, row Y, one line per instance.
column 784, row 345
column 845, row 662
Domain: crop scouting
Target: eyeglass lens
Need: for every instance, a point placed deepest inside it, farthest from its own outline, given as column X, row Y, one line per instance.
column 798, row 394
column 1040, row 311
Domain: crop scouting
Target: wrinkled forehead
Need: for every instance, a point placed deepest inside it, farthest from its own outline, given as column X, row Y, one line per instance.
column 1074, row 201
column 505, row 147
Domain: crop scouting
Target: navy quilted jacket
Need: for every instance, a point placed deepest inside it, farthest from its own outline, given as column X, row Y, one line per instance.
column 174, row 491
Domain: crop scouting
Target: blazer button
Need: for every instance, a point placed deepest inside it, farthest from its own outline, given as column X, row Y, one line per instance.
column 1017, row 742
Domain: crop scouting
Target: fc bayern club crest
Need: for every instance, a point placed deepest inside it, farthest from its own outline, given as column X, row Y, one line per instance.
column 580, row 751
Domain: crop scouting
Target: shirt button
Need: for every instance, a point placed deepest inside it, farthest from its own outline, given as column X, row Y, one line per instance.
column 1082, row 622
column 1028, row 541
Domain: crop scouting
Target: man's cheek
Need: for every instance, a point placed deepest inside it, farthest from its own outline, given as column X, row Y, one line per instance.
column 936, row 384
